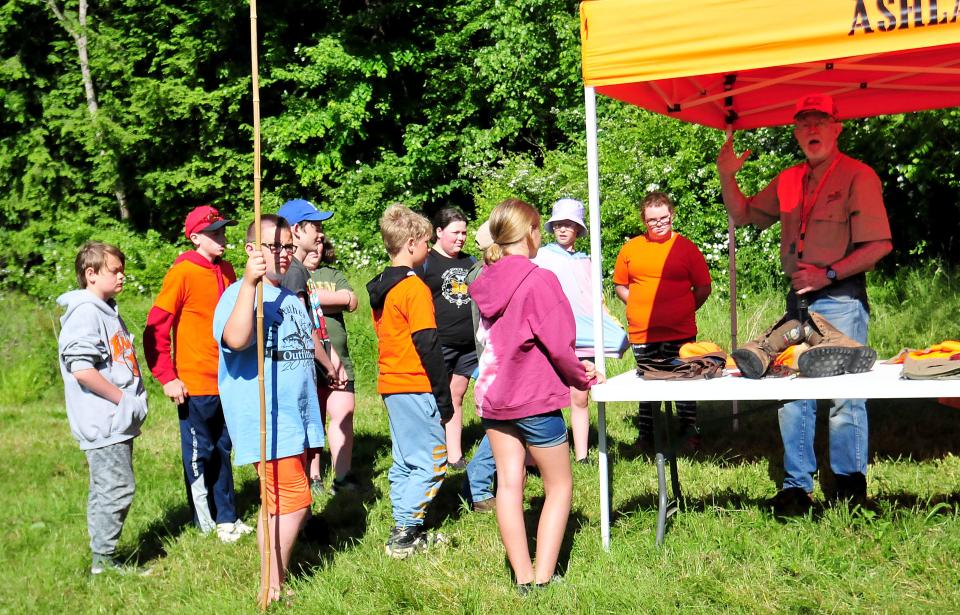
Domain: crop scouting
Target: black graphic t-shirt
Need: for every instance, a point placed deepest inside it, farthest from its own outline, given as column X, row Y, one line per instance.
column 446, row 278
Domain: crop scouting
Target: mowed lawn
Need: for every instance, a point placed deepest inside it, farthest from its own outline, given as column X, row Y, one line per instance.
column 724, row 553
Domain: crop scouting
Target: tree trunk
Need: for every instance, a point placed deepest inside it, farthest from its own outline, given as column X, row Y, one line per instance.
column 79, row 35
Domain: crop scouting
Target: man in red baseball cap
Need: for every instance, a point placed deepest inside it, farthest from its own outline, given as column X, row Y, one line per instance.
column 833, row 228
column 183, row 312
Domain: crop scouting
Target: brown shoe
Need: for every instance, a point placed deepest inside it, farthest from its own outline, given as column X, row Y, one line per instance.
column 831, row 352
column 488, row 505
column 753, row 358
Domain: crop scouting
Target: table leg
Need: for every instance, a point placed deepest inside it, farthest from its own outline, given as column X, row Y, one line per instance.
column 667, row 506
column 662, row 499
column 672, row 455
column 605, row 486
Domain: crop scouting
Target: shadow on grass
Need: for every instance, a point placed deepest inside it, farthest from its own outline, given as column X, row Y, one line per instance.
column 454, row 494
column 150, row 542
column 937, row 505
column 531, row 517
column 342, row 521
column 915, row 429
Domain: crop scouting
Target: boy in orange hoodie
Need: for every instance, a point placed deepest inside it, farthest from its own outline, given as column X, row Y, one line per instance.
column 183, row 313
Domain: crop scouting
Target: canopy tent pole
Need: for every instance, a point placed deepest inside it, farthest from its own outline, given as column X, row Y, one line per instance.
column 596, row 274
column 732, row 251
column 264, row 517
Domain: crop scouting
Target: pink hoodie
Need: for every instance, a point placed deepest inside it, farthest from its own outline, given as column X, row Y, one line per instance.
column 528, row 362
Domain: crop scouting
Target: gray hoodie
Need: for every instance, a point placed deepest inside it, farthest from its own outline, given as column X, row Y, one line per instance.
column 94, row 336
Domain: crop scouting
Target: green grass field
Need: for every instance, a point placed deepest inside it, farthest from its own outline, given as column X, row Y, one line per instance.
column 723, row 554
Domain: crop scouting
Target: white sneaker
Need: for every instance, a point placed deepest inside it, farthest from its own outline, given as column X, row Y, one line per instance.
column 231, row 532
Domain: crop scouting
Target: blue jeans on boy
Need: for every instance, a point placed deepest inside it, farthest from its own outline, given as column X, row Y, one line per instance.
column 480, row 473
column 848, row 417
column 205, row 446
column 419, row 455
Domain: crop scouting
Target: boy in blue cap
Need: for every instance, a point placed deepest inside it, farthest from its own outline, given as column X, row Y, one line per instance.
column 306, row 226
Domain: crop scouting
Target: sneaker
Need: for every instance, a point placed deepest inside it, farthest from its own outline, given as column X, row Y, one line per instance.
column 104, row 564
column 459, row 465
column 316, row 487
column 242, row 528
column 487, row 505
column 228, row 532
column 348, row 483
column 406, row 541
column 584, row 461
column 791, row 502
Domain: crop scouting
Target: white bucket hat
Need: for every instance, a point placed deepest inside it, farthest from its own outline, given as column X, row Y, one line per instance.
column 567, row 209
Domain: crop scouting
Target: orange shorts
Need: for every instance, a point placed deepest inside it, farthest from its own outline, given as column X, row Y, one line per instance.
column 288, row 489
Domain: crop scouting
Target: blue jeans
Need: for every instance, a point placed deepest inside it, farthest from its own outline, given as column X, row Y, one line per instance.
column 848, row 417
column 480, row 473
column 205, row 449
column 419, row 455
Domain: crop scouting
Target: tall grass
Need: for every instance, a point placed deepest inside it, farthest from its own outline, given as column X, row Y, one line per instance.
column 723, row 554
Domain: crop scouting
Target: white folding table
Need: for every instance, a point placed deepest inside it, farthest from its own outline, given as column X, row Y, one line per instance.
column 883, row 381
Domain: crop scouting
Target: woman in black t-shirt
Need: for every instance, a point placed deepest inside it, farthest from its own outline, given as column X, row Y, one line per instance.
column 445, row 272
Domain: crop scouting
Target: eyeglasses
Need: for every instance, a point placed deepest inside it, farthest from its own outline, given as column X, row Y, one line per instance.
column 276, row 247
column 664, row 221
column 813, row 122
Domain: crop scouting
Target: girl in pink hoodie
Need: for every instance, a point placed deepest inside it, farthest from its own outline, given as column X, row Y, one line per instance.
column 526, row 370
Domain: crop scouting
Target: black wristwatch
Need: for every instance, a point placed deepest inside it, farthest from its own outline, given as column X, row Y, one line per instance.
column 831, row 274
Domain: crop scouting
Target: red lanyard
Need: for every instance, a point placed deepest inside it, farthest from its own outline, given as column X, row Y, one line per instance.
column 804, row 212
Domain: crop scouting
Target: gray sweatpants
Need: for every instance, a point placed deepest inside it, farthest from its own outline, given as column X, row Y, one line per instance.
column 111, row 493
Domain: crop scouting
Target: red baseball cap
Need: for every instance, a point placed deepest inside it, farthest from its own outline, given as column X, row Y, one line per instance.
column 822, row 103
column 205, row 219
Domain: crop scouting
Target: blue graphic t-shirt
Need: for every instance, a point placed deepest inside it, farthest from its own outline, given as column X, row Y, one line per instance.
column 293, row 412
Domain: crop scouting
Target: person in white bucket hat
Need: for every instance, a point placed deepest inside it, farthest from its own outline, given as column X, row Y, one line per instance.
column 572, row 268
column 570, row 211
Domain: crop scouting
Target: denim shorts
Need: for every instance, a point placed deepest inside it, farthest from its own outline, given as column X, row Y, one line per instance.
column 541, row 430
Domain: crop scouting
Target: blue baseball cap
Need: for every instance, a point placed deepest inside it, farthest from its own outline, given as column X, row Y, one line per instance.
column 299, row 210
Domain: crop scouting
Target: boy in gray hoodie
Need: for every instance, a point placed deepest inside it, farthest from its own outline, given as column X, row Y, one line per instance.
column 105, row 397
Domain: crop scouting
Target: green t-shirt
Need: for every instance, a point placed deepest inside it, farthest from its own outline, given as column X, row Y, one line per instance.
column 330, row 279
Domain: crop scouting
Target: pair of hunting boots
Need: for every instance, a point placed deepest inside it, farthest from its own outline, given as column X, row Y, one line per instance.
column 814, row 348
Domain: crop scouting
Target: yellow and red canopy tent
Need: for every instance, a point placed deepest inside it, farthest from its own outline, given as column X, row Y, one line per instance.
column 743, row 64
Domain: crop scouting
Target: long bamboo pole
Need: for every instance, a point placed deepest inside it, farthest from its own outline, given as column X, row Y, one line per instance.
column 264, row 516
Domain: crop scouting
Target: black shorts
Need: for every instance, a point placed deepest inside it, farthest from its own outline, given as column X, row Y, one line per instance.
column 460, row 361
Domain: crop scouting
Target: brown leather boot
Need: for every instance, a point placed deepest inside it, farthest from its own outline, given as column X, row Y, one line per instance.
column 831, row 352
column 754, row 357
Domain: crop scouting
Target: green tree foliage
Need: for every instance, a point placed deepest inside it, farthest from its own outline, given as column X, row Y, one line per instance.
column 428, row 102
column 640, row 152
